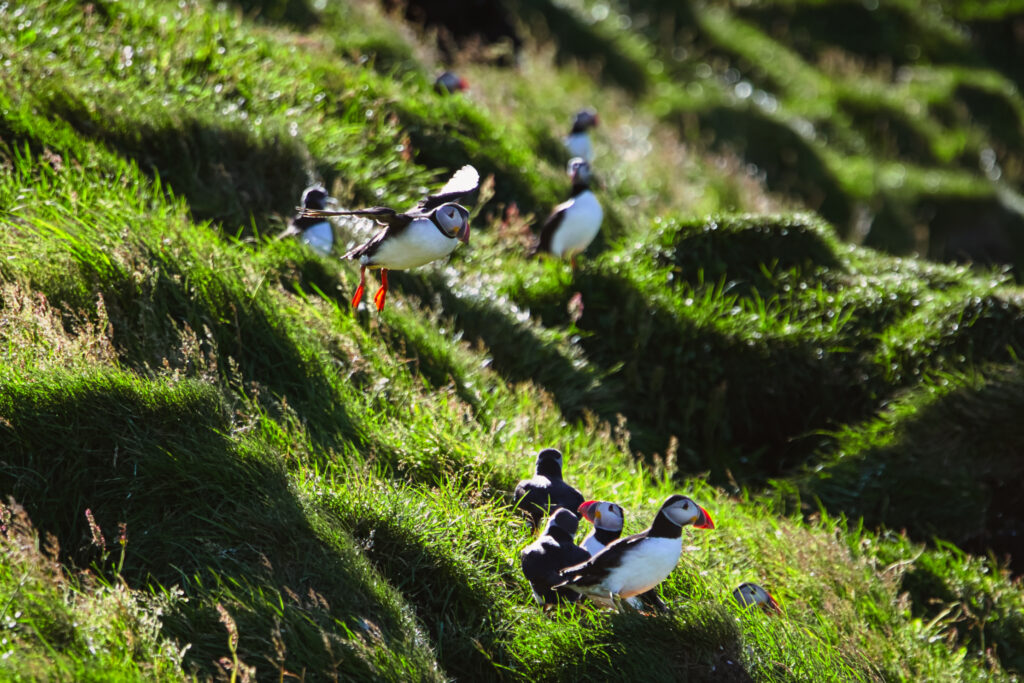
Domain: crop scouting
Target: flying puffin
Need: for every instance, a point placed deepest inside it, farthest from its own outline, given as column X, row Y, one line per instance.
column 546, row 490
column 636, row 564
column 578, row 140
column 448, row 82
column 552, row 551
column 428, row 231
column 608, row 520
column 574, row 223
column 748, row 594
column 316, row 232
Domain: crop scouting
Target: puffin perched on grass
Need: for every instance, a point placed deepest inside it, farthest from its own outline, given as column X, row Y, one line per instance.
column 608, row 520
column 574, row 223
column 449, row 82
column 578, row 140
column 554, row 550
column 316, row 232
column 636, row 564
column 546, row 490
column 429, row 231
column 749, row 594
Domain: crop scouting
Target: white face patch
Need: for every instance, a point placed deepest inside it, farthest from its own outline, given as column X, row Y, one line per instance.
column 451, row 218
column 683, row 512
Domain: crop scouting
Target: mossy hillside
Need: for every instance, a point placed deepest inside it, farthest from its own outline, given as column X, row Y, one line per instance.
column 871, row 134
column 339, row 483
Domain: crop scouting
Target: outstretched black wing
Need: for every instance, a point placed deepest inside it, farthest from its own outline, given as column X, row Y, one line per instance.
column 382, row 214
column 600, row 565
column 463, row 181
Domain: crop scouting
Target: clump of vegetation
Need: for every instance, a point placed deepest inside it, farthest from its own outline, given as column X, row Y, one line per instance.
column 307, row 490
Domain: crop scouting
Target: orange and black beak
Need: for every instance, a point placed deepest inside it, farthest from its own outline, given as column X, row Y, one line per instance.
column 772, row 606
column 464, row 234
column 704, row 521
column 586, row 510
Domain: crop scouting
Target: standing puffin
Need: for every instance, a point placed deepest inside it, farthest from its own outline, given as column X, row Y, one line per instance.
column 748, row 594
column 608, row 520
column 636, row 564
column 430, row 230
column 553, row 551
column 546, row 490
column 316, row 232
column 448, row 82
column 574, row 223
column 578, row 140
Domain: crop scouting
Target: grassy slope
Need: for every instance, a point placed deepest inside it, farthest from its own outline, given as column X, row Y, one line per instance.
column 307, row 491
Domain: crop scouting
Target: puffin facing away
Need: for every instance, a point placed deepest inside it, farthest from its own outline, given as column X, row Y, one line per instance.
column 608, row 520
column 552, row 551
column 749, row 594
column 578, row 140
column 316, row 232
column 429, row 231
column 574, row 223
column 448, row 82
column 546, row 490
column 636, row 564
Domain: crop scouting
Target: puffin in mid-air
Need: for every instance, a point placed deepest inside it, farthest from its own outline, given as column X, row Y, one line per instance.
column 578, row 140
column 449, row 82
column 428, row 231
column 574, row 223
column 553, row 551
column 316, row 232
column 636, row 564
column 749, row 594
column 546, row 490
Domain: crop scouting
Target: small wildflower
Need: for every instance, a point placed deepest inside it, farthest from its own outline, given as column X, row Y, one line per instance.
column 94, row 528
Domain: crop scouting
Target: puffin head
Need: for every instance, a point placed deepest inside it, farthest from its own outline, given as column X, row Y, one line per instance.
column 682, row 511
column 449, row 82
column 579, row 171
column 584, row 119
column 748, row 594
column 315, row 197
column 549, row 462
column 454, row 219
column 564, row 520
column 603, row 515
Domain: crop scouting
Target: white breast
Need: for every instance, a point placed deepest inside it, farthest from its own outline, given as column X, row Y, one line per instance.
column 421, row 242
column 645, row 566
column 320, row 237
column 579, row 145
column 579, row 225
column 592, row 545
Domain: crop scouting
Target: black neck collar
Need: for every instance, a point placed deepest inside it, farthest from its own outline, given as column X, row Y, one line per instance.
column 663, row 527
column 606, row 536
column 550, row 469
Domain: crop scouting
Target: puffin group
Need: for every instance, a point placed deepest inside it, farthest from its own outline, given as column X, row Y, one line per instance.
column 432, row 229
column 606, row 568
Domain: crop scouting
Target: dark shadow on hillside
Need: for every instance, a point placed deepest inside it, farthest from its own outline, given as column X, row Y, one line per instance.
column 994, row 112
column 298, row 14
column 236, row 336
column 225, row 174
column 790, row 163
column 1001, row 40
column 518, row 353
column 890, row 132
column 954, row 470
column 460, row 620
column 885, row 34
column 577, row 40
column 223, row 524
column 979, row 230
